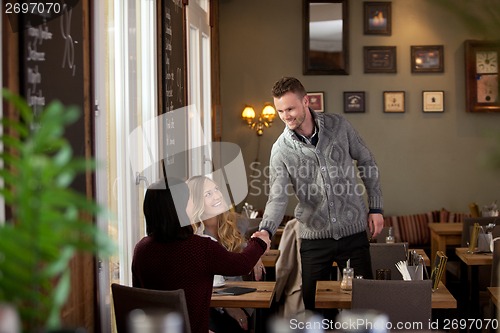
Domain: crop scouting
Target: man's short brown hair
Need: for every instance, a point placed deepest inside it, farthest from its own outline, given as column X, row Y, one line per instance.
column 288, row 84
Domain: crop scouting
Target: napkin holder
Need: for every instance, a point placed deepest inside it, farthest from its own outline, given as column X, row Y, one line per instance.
column 484, row 242
column 416, row 272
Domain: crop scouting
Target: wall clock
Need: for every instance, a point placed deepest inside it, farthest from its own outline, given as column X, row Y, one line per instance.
column 481, row 76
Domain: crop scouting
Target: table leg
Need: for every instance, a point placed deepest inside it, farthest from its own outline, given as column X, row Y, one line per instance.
column 474, row 292
column 464, row 303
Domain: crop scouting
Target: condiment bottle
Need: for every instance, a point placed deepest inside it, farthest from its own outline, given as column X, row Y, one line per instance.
column 347, row 276
column 389, row 238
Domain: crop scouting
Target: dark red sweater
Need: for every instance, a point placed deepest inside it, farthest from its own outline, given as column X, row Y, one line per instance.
column 190, row 265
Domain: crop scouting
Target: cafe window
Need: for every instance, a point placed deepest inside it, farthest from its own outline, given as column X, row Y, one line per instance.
column 199, row 81
column 126, row 71
column 125, row 83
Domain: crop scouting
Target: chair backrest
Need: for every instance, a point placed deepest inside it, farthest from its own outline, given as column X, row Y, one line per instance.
column 468, row 223
column 126, row 299
column 496, row 231
column 380, row 238
column 385, row 256
column 495, row 265
column 402, row 301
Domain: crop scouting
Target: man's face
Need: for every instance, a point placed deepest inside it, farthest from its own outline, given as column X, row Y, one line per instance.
column 292, row 109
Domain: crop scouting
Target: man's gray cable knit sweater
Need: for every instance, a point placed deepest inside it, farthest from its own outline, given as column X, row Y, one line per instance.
column 325, row 180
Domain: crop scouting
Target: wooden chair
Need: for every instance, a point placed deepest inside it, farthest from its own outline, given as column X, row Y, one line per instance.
column 385, row 256
column 380, row 238
column 468, row 223
column 496, row 231
column 495, row 266
column 402, row 301
column 126, row 299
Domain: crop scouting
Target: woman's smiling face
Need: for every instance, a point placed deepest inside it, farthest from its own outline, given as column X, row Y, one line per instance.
column 213, row 200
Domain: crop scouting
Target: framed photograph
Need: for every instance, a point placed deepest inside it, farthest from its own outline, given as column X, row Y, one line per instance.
column 377, row 18
column 354, row 101
column 394, row 101
column 317, row 101
column 433, row 101
column 481, row 76
column 427, row 59
column 380, row 59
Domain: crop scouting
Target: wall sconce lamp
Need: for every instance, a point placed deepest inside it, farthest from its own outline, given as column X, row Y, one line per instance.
column 265, row 119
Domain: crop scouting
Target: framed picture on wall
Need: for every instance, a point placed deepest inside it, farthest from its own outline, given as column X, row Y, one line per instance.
column 377, row 18
column 354, row 101
column 481, row 76
column 317, row 101
column 394, row 101
column 427, row 59
column 433, row 101
column 380, row 59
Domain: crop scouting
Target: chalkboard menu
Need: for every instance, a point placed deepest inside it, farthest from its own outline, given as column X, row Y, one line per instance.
column 54, row 62
column 173, row 55
column 173, row 88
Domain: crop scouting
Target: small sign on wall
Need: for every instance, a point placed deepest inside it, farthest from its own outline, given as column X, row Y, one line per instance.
column 317, row 101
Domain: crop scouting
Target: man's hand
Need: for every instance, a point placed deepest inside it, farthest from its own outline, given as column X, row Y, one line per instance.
column 375, row 223
column 264, row 235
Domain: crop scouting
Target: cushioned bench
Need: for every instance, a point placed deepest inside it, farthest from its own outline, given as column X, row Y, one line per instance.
column 414, row 228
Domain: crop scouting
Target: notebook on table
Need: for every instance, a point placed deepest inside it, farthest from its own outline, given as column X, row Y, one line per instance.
column 234, row 291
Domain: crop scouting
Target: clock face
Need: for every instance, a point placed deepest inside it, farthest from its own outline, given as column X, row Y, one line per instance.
column 486, row 62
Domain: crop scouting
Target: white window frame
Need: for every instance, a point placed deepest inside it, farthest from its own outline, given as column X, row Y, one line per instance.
column 200, row 90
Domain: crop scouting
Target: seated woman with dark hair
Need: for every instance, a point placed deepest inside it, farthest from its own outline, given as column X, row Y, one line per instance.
column 171, row 257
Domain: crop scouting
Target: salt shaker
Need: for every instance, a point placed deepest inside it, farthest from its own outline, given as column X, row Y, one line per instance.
column 390, row 237
column 347, row 276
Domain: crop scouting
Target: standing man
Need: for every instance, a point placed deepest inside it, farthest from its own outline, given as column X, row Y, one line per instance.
column 322, row 156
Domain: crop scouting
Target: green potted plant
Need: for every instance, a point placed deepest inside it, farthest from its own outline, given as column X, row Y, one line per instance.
column 50, row 221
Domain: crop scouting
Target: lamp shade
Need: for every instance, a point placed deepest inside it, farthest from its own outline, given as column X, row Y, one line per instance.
column 248, row 114
column 268, row 113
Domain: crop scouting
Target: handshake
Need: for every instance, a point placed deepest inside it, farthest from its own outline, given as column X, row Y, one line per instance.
column 264, row 235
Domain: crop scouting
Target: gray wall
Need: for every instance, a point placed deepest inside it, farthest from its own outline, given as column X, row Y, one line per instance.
column 427, row 161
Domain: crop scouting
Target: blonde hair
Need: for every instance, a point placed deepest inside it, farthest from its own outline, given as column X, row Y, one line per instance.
column 228, row 233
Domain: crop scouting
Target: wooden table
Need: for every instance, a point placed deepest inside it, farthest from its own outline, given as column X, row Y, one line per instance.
column 443, row 234
column 261, row 298
column 474, row 259
column 329, row 296
column 269, row 259
column 494, row 293
column 470, row 267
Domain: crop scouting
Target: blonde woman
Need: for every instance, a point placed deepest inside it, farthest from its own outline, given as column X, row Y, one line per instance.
column 211, row 217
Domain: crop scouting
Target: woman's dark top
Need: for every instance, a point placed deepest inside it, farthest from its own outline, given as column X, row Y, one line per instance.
column 190, row 265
